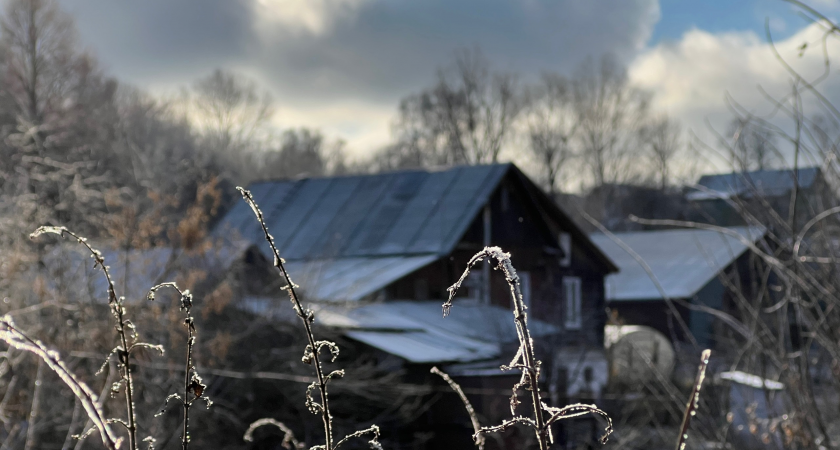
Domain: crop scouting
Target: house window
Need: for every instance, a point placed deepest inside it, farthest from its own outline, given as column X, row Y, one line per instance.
column 525, row 288
column 572, row 298
column 564, row 241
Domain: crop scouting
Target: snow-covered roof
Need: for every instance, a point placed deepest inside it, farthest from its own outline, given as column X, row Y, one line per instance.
column 417, row 331
column 683, row 260
column 751, row 380
column 747, row 184
column 135, row 271
column 352, row 279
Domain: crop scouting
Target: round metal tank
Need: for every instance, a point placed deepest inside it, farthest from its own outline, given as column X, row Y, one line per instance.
column 637, row 355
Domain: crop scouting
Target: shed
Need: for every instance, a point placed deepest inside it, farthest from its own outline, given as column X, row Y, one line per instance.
column 726, row 199
column 686, row 265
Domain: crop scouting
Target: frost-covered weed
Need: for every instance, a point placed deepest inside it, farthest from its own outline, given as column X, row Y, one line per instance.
column 128, row 344
column 311, row 355
column 525, row 361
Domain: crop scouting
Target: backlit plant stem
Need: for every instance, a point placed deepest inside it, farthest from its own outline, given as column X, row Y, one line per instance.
column 306, row 317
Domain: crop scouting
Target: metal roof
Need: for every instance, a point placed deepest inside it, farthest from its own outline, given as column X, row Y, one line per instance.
column 351, row 278
column 430, row 346
column 683, row 260
column 135, row 271
column 762, row 182
column 417, row 331
column 396, row 213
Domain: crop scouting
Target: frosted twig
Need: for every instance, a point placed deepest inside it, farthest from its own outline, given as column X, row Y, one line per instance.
column 576, row 410
column 477, row 436
column 192, row 382
column 125, row 329
column 524, row 360
column 693, row 400
column 17, row 339
column 311, row 354
column 530, row 365
column 289, row 442
column 373, row 442
column 507, row 424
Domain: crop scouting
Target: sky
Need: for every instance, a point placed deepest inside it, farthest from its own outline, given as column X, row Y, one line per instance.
column 342, row 65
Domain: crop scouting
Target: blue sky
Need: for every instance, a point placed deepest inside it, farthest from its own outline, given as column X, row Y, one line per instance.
column 717, row 16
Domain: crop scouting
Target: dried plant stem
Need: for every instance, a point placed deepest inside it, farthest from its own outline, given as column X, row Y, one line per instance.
column 693, row 400
column 125, row 348
column 478, row 437
column 185, row 437
column 529, row 365
column 192, row 382
column 311, row 354
column 124, row 359
column 17, row 339
column 289, row 441
column 306, row 316
column 34, row 410
column 524, row 360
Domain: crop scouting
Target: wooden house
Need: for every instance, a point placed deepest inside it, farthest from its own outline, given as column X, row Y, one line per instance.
column 376, row 253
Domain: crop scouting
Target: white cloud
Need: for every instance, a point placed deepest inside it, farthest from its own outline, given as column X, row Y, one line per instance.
column 690, row 77
column 364, row 125
column 338, row 64
column 312, row 16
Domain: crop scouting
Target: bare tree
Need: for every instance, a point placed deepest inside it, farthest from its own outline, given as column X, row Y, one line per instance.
column 752, row 146
column 663, row 138
column 40, row 54
column 301, row 152
column 552, row 123
column 464, row 119
column 611, row 112
column 231, row 111
column 56, row 112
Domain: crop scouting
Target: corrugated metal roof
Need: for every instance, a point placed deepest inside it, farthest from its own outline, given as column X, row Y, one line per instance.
column 427, row 346
column 683, row 261
column 351, row 279
column 417, row 331
column 746, row 184
column 135, row 271
column 397, row 213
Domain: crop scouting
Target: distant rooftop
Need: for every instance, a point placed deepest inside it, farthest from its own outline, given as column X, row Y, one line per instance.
column 746, row 184
column 683, row 260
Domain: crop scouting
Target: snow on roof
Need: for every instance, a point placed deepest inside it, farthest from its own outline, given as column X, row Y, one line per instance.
column 762, row 182
column 428, row 346
column 351, row 279
column 751, row 380
column 135, row 271
column 683, row 260
column 416, row 330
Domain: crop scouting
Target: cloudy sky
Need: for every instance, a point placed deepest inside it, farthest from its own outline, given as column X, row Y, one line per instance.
column 342, row 65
